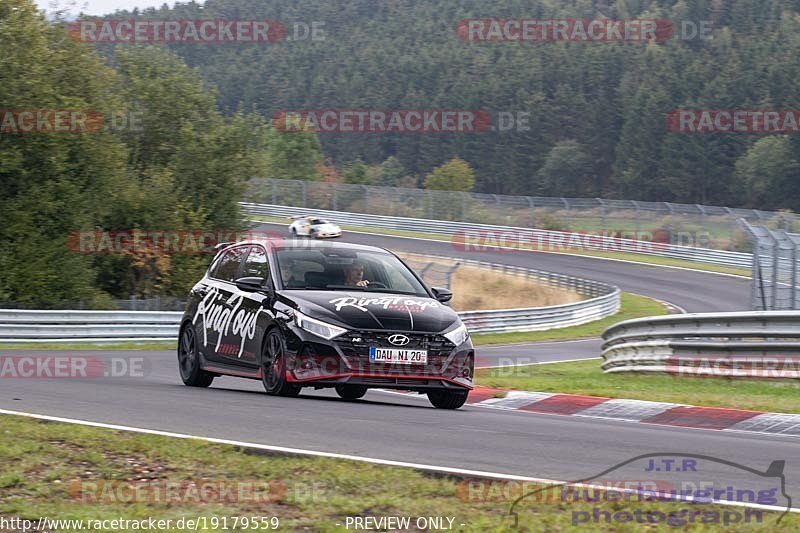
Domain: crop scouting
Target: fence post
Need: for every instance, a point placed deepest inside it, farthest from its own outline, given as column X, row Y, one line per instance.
column 449, row 274
column 274, row 192
column 732, row 243
column 305, row 193
column 602, row 216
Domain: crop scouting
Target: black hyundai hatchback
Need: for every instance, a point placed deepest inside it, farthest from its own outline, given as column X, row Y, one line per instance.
column 300, row 313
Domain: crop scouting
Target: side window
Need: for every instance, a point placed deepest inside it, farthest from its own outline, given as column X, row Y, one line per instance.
column 256, row 264
column 228, row 265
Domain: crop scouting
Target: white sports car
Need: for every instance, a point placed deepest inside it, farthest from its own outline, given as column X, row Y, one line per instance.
column 309, row 226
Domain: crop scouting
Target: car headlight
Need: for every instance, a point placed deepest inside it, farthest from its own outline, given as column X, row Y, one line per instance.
column 317, row 327
column 457, row 336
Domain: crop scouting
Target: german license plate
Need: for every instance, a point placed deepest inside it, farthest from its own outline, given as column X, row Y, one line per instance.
column 397, row 355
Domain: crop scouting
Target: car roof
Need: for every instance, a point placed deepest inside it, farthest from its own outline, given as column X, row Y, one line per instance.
column 305, row 244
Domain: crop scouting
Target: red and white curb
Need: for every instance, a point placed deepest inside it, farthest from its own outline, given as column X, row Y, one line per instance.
column 639, row 411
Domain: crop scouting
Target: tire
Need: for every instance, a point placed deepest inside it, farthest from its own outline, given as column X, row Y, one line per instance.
column 294, row 233
column 189, row 360
column 273, row 366
column 351, row 392
column 445, row 399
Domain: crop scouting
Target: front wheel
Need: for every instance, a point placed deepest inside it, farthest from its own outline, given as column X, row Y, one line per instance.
column 189, row 360
column 351, row 392
column 273, row 367
column 448, row 399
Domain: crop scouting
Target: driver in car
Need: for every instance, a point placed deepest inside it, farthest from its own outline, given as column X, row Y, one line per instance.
column 354, row 274
column 287, row 275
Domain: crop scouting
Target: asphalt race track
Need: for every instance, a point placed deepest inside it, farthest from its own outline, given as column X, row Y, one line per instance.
column 405, row 428
column 383, row 425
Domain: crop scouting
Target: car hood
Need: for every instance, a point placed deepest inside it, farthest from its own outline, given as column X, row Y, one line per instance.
column 375, row 310
column 326, row 227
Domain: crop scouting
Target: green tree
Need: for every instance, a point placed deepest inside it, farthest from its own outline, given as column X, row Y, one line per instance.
column 391, row 171
column 567, row 171
column 292, row 155
column 187, row 169
column 358, row 173
column 455, row 175
column 52, row 185
column 766, row 172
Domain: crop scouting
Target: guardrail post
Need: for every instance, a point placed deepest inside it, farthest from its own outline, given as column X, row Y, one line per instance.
column 636, row 215
column 794, row 276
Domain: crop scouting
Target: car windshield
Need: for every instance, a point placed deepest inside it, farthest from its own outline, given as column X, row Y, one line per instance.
column 334, row 269
column 318, row 221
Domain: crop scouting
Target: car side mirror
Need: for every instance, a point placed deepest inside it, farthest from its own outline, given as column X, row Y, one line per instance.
column 252, row 284
column 441, row 294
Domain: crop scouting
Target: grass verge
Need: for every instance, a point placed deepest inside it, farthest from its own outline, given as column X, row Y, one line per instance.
column 633, row 257
column 632, row 306
column 586, row 377
column 58, row 471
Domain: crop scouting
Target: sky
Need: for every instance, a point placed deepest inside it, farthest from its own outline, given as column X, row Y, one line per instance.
column 99, row 7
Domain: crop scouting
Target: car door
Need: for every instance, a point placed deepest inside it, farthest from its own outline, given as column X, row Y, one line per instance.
column 255, row 313
column 216, row 311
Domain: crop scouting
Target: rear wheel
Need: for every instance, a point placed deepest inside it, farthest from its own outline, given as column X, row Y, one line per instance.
column 441, row 399
column 189, row 360
column 273, row 366
column 351, row 392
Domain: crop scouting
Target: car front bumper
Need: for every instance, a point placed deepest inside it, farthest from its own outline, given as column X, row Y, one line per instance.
column 313, row 361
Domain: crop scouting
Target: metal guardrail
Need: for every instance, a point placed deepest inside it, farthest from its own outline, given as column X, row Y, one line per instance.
column 466, row 235
column 21, row 326
column 761, row 344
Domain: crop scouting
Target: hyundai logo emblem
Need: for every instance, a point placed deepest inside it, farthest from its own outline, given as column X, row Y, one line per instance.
column 399, row 340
